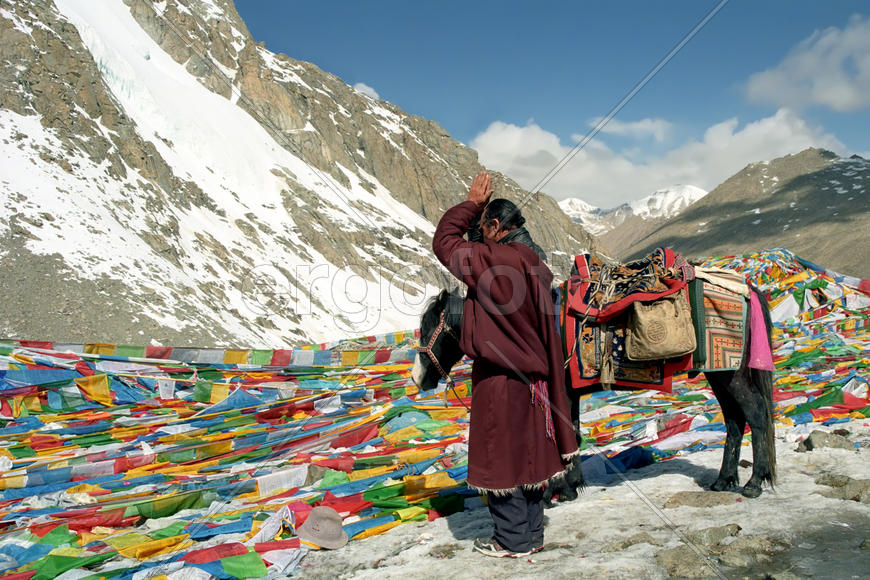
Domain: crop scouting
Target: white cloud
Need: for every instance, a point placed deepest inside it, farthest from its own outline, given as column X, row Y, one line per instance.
column 367, row 90
column 658, row 129
column 831, row 68
column 606, row 178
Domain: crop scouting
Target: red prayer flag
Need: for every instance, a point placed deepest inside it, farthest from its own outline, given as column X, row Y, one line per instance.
column 158, row 352
column 281, row 357
column 207, row 555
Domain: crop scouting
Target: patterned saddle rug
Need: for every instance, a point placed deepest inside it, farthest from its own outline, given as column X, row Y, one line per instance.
column 595, row 348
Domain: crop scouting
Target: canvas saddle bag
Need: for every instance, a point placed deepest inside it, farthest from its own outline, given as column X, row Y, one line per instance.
column 660, row 329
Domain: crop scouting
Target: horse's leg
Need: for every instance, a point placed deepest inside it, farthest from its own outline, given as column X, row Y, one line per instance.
column 735, row 423
column 753, row 389
column 746, row 404
column 749, row 390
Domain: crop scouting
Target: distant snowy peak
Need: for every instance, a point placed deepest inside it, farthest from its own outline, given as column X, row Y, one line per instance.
column 583, row 213
column 574, row 206
column 663, row 203
column 666, row 203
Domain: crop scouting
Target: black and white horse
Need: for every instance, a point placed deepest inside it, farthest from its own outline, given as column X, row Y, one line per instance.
column 745, row 395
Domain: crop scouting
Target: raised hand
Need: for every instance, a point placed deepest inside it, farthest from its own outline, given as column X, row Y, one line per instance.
column 481, row 189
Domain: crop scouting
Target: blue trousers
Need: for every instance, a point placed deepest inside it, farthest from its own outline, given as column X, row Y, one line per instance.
column 518, row 519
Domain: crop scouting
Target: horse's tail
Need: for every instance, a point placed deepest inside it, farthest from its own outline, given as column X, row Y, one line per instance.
column 763, row 381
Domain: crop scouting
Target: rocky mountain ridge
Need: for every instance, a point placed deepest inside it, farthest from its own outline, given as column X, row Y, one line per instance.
column 813, row 203
column 168, row 179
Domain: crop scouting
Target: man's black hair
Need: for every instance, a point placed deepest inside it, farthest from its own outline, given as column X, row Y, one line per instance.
column 506, row 212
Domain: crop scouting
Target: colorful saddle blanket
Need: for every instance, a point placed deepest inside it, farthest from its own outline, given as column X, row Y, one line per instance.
column 719, row 317
column 598, row 291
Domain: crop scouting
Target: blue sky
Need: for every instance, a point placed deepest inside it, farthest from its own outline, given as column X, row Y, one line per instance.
column 522, row 82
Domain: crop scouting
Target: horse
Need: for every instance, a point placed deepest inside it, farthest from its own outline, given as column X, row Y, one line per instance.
column 745, row 396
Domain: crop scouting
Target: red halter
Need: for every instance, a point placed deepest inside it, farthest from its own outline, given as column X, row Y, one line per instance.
column 427, row 350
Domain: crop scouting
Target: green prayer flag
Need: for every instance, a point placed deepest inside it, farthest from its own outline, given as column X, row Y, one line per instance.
column 333, row 477
column 384, row 491
column 21, row 451
column 832, row 397
column 390, row 502
column 58, row 536
column 170, row 505
column 248, row 565
column 173, row 529
column 261, row 357
column 398, row 410
column 202, row 391
column 130, row 350
column 53, row 565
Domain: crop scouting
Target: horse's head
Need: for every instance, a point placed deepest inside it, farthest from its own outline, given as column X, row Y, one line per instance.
column 439, row 339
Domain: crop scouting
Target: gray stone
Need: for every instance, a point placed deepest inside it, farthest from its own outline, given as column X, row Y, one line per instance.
column 818, row 439
column 712, row 536
column 833, row 479
column 683, row 562
column 641, row 538
column 702, row 499
column 850, row 489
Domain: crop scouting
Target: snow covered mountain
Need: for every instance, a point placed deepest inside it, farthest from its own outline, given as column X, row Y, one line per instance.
column 814, row 203
column 661, row 204
column 666, row 203
column 166, row 179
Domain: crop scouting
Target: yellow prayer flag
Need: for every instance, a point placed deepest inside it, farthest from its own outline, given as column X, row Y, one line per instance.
column 32, row 403
column 145, row 550
column 70, row 551
column 410, row 512
column 403, row 434
column 358, row 474
column 416, row 455
column 791, row 280
column 236, row 356
column 417, row 483
column 447, row 414
column 349, row 358
column 127, row 540
column 451, row 429
column 213, row 449
column 188, row 469
column 219, row 392
column 460, row 390
column 96, row 388
column 99, row 348
column 84, row 488
column 14, row 482
column 94, row 535
column 377, row 529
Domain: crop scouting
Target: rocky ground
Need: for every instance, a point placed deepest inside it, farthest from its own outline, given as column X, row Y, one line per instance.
column 660, row 522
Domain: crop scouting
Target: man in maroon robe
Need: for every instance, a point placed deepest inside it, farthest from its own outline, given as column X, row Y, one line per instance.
column 521, row 434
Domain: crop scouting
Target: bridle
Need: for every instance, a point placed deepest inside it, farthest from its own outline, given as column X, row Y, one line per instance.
column 427, row 350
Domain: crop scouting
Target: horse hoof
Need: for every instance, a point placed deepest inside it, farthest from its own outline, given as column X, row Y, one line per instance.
column 751, row 491
column 724, row 485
